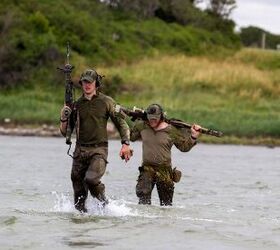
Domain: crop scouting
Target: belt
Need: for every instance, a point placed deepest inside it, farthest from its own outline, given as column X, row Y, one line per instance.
column 93, row 145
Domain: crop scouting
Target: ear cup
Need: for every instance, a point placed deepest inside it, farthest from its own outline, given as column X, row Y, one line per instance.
column 98, row 80
column 162, row 113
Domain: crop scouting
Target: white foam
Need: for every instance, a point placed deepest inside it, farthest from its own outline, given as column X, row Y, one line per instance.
column 63, row 203
column 115, row 208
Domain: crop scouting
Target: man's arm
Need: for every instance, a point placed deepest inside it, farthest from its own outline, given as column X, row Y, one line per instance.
column 182, row 139
column 122, row 127
column 119, row 123
column 135, row 131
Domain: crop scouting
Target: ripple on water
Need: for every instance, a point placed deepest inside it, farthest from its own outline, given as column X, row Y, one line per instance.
column 8, row 220
column 84, row 244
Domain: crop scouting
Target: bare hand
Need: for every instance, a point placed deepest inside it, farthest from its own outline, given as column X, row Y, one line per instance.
column 195, row 131
column 126, row 152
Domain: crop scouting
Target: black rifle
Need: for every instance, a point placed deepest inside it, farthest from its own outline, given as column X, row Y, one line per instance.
column 69, row 88
column 137, row 113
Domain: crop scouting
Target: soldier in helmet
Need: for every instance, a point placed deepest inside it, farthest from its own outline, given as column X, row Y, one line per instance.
column 158, row 137
column 89, row 117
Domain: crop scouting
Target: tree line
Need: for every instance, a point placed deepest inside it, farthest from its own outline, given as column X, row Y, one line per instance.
column 34, row 33
column 185, row 12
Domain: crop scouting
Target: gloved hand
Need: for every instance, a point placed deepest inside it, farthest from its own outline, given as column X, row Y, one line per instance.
column 65, row 113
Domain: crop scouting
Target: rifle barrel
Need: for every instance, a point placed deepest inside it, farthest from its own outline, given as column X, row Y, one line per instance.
column 178, row 123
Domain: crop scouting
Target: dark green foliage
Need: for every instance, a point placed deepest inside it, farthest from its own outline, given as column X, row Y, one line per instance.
column 138, row 8
column 183, row 12
column 27, row 43
column 221, row 8
column 34, row 34
column 112, row 86
column 251, row 36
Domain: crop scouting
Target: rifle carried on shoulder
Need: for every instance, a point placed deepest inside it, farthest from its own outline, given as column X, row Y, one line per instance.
column 137, row 113
column 69, row 89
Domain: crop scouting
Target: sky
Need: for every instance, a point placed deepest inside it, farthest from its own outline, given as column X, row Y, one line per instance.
column 264, row 14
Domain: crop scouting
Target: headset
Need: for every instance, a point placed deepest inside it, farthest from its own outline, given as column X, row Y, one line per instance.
column 98, row 79
column 162, row 116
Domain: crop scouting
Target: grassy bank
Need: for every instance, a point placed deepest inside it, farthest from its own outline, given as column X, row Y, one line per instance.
column 238, row 95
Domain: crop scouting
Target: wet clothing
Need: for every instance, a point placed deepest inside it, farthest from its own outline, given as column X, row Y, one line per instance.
column 156, row 166
column 90, row 156
column 89, row 165
column 149, row 176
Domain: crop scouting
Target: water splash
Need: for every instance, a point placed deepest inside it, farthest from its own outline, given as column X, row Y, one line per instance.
column 115, row 208
column 62, row 203
column 120, row 208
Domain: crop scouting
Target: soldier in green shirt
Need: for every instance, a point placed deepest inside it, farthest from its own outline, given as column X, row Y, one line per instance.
column 158, row 137
column 90, row 115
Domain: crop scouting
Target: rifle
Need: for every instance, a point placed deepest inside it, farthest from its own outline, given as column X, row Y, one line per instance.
column 69, row 89
column 137, row 113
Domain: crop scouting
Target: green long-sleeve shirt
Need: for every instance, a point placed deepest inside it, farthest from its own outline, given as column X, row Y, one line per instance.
column 156, row 145
column 92, row 119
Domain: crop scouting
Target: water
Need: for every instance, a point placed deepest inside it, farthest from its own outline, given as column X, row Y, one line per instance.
column 228, row 198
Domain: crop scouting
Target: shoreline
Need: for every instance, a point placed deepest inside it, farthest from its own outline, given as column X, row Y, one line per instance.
column 43, row 130
column 46, row 130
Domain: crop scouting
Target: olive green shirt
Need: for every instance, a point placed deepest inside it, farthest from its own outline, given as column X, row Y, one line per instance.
column 92, row 117
column 156, row 145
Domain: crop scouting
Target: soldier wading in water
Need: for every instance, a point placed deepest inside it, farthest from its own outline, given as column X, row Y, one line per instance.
column 89, row 117
column 158, row 137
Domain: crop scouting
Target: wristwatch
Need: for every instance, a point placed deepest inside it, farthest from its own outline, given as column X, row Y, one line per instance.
column 126, row 142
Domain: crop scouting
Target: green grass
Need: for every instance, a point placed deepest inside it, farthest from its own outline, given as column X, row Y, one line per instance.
column 233, row 95
column 28, row 106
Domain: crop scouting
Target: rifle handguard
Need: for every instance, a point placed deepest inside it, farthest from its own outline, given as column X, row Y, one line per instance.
column 68, row 96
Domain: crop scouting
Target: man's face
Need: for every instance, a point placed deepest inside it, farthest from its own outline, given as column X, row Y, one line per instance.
column 154, row 122
column 89, row 87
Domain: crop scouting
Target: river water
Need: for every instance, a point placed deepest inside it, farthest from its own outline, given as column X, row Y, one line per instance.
column 228, row 198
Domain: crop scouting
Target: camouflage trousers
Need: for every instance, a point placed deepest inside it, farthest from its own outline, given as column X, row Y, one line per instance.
column 149, row 176
column 89, row 165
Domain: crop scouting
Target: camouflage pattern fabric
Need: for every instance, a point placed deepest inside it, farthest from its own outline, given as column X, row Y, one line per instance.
column 156, row 160
column 149, row 176
column 90, row 157
column 89, row 165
